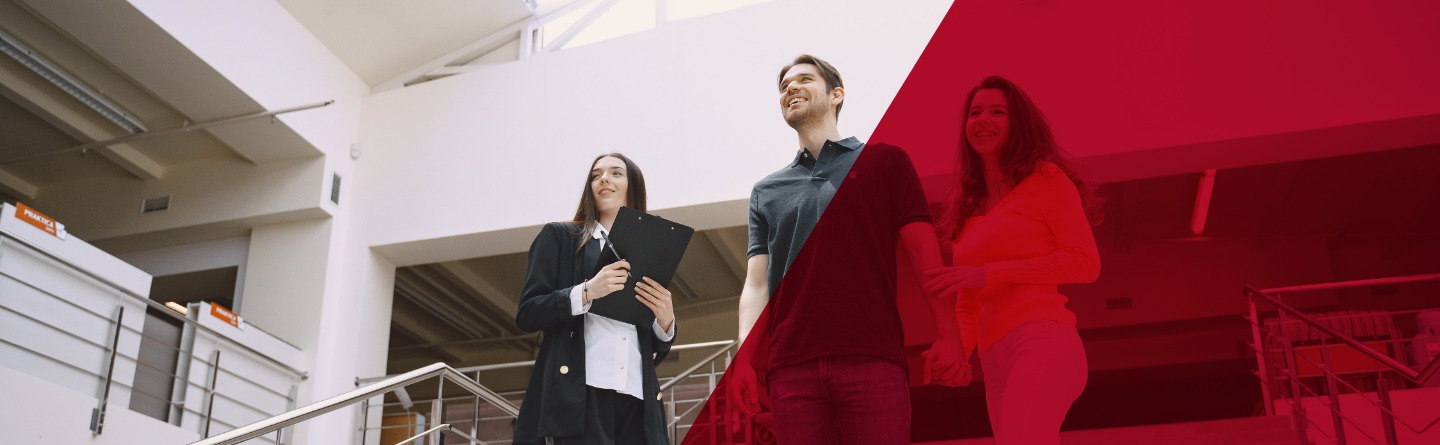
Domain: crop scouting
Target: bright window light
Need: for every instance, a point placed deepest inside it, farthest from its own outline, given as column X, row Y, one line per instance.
column 624, row 17
column 558, row 26
column 629, row 17
column 684, row 9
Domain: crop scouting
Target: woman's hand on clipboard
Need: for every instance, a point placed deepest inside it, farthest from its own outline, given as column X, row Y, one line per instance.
column 657, row 298
column 609, row 279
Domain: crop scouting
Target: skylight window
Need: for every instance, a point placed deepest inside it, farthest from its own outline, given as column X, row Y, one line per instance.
column 600, row 20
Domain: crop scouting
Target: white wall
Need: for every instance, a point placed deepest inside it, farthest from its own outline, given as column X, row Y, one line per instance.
column 55, row 414
column 204, row 193
column 263, row 50
column 694, row 103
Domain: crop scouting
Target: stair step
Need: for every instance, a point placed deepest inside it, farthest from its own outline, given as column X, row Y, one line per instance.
column 1265, row 430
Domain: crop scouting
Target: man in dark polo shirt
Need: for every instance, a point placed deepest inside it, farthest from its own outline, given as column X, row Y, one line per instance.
column 832, row 342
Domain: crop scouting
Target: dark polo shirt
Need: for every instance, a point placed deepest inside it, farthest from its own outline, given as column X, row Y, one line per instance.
column 832, row 278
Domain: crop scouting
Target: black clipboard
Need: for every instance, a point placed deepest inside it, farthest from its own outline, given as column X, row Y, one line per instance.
column 654, row 247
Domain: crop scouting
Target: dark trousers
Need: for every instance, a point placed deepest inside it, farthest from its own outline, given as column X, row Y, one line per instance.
column 841, row 400
column 611, row 418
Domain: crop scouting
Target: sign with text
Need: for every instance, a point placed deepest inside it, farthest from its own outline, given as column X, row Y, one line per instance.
column 225, row 315
column 40, row 221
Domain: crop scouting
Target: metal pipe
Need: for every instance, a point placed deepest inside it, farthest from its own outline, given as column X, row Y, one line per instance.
column 1302, row 425
column 1334, row 392
column 97, row 417
column 155, row 134
column 343, row 400
column 1382, row 389
column 437, row 409
column 1354, row 283
column 1285, row 310
column 1263, row 370
column 210, row 393
column 436, row 430
column 511, row 365
column 691, row 370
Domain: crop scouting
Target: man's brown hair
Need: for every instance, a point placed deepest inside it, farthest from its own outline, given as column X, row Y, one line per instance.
column 827, row 72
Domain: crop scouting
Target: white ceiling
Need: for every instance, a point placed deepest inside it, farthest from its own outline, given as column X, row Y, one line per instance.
column 382, row 39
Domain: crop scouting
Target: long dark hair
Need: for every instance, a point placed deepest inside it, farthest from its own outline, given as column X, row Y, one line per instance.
column 587, row 216
column 1030, row 145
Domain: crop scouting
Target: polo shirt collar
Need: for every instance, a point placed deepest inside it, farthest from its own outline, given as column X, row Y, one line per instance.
column 847, row 144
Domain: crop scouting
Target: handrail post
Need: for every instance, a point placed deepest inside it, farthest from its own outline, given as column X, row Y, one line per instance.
column 97, row 417
column 475, row 414
column 1382, row 389
column 1334, row 390
column 1302, row 425
column 1262, row 365
column 210, row 393
column 437, row 410
column 670, row 417
column 364, row 420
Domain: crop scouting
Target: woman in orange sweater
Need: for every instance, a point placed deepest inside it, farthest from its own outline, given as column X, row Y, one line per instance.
column 1019, row 222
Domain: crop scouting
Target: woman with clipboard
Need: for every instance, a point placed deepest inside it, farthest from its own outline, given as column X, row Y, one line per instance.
column 594, row 379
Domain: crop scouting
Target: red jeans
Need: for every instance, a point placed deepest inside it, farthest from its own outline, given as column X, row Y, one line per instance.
column 841, row 400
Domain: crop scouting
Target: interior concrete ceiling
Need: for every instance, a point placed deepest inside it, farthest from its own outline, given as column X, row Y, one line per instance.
column 463, row 312
column 148, row 75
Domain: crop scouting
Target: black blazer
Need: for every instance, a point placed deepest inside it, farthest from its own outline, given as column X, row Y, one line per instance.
column 554, row 404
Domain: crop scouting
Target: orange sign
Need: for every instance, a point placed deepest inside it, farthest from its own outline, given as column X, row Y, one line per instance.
column 39, row 220
column 224, row 315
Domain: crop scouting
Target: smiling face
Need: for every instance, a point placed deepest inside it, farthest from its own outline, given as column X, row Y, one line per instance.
column 610, row 184
column 987, row 123
column 804, row 96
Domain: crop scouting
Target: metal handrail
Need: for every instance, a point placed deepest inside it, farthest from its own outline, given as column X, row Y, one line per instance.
column 1353, row 283
column 1397, row 367
column 155, row 305
column 1333, row 378
column 729, row 344
column 472, row 369
column 1388, row 417
column 307, row 412
column 443, row 426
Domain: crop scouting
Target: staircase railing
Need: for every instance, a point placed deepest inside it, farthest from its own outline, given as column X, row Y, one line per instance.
column 680, row 401
column 1269, row 339
column 676, row 417
column 441, row 370
column 195, row 378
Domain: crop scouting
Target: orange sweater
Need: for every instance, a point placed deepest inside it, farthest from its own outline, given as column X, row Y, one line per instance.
column 1036, row 238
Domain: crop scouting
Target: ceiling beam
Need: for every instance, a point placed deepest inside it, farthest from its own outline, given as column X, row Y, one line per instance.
column 432, row 301
column 74, row 119
column 726, row 246
column 423, row 72
column 452, row 62
column 493, row 321
column 423, row 330
column 500, row 300
column 20, row 188
column 578, row 27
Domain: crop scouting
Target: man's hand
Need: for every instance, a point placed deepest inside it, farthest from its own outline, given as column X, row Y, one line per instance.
column 950, row 280
column 743, row 388
column 945, row 363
